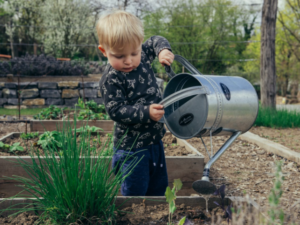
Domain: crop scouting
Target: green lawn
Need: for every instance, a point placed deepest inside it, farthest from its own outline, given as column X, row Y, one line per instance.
column 15, row 112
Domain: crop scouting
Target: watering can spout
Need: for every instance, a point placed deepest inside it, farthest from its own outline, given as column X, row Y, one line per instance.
column 204, row 186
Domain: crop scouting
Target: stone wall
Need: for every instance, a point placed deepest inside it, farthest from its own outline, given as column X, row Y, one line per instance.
column 43, row 94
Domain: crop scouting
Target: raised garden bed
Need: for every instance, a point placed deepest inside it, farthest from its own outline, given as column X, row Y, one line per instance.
column 50, row 125
column 188, row 167
column 87, row 113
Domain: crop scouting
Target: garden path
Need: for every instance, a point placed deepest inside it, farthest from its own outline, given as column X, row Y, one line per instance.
column 247, row 169
column 289, row 107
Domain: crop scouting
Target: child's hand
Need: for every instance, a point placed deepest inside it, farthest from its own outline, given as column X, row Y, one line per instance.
column 166, row 57
column 156, row 112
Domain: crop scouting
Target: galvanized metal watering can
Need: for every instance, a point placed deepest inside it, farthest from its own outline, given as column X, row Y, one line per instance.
column 199, row 105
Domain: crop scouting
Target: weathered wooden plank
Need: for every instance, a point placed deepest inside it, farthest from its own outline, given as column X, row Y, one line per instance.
column 50, row 125
column 186, row 168
column 12, row 188
column 271, row 146
column 193, row 201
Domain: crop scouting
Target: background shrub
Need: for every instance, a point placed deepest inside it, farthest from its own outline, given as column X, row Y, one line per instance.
column 30, row 65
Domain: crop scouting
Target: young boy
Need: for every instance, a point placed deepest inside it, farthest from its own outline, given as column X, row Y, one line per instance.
column 130, row 93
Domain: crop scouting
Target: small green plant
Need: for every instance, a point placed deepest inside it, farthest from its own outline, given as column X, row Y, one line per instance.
column 91, row 111
column 16, row 147
column 275, row 212
column 87, row 128
column 30, row 135
column 110, row 146
column 4, row 146
column 171, row 197
column 91, row 105
column 52, row 112
column 50, row 139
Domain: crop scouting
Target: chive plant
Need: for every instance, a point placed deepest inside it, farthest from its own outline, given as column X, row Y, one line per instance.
column 277, row 118
column 72, row 185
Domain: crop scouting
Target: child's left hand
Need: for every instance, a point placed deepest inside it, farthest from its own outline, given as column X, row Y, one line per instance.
column 166, row 57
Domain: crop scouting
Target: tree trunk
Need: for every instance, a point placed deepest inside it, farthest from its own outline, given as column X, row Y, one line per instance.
column 286, row 84
column 11, row 41
column 267, row 54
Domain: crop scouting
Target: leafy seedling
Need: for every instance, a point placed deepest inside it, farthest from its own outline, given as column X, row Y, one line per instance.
column 184, row 221
column 52, row 112
column 170, row 198
column 90, row 110
column 16, row 147
column 2, row 145
column 275, row 212
column 87, row 128
column 50, row 138
column 28, row 136
column 227, row 210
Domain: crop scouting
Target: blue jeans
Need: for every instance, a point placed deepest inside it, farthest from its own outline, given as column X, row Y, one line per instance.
column 149, row 177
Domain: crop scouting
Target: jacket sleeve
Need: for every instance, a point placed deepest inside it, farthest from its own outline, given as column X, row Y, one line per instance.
column 154, row 45
column 113, row 93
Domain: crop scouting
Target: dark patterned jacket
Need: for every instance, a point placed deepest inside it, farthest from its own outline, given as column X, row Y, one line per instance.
column 127, row 97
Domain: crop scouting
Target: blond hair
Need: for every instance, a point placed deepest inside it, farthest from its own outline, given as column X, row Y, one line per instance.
column 117, row 29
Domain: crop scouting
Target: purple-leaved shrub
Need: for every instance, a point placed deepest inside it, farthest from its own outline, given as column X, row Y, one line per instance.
column 30, row 65
column 227, row 210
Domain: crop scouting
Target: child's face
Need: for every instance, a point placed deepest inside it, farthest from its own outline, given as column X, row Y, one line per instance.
column 124, row 60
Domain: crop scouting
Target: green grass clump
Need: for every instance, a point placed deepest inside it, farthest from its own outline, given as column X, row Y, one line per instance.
column 72, row 186
column 277, row 118
column 15, row 112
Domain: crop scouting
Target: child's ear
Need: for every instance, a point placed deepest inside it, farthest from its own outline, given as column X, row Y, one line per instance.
column 102, row 50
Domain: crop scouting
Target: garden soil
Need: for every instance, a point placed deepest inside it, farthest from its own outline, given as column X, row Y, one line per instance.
column 141, row 214
column 248, row 170
column 170, row 146
column 158, row 214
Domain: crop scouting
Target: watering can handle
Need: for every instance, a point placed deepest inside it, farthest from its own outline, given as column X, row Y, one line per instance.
column 185, row 63
column 184, row 93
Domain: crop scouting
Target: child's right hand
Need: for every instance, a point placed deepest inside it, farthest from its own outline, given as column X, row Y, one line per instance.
column 156, row 112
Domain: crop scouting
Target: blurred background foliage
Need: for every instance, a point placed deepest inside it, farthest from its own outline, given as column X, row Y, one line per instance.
column 219, row 37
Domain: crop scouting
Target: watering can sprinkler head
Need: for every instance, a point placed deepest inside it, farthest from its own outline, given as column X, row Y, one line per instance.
column 204, row 187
